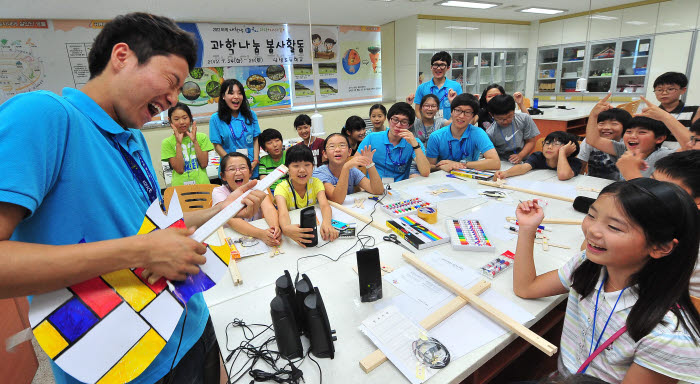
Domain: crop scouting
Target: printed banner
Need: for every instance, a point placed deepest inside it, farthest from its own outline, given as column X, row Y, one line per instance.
column 252, row 44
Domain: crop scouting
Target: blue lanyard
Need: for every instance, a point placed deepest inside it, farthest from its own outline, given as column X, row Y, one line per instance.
column 463, row 149
column 146, row 181
column 512, row 132
column 439, row 91
column 388, row 156
column 595, row 314
column 233, row 133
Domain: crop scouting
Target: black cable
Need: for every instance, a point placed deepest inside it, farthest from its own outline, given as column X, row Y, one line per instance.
column 320, row 373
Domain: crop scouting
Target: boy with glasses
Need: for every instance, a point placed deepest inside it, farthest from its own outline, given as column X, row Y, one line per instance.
column 444, row 88
column 668, row 88
column 512, row 134
column 460, row 144
column 397, row 146
column 558, row 153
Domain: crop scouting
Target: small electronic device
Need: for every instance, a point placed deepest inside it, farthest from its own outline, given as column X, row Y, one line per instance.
column 303, row 288
column 307, row 219
column 369, row 272
column 321, row 336
column 284, row 289
column 284, row 325
column 468, row 235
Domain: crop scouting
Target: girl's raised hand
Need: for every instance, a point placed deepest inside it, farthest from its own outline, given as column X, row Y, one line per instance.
column 529, row 214
column 178, row 136
column 192, row 133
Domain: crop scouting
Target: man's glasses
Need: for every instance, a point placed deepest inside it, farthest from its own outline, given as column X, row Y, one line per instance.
column 439, row 66
column 460, row 112
column 398, row 122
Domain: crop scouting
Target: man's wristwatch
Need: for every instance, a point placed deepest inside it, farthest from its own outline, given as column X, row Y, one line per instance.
column 416, row 146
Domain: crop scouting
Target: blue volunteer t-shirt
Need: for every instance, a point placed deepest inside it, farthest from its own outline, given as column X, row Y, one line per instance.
column 324, row 174
column 391, row 160
column 429, row 87
column 61, row 164
column 235, row 135
column 443, row 146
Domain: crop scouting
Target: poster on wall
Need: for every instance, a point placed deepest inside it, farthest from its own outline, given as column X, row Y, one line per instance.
column 266, row 86
column 304, row 84
column 251, row 44
column 35, row 54
column 327, row 74
column 360, row 63
column 325, row 43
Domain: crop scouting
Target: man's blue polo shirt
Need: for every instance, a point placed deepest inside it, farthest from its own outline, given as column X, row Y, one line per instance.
column 61, row 164
column 238, row 134
column 443, row 146
column 391, row 160
column 429, row 87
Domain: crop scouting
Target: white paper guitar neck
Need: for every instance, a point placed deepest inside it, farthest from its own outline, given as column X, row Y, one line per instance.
column 232, row 209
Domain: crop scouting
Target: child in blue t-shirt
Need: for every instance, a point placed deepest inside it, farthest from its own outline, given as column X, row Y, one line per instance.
column 559, row 152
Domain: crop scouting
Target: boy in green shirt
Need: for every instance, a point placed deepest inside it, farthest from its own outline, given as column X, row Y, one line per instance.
column 271, row 141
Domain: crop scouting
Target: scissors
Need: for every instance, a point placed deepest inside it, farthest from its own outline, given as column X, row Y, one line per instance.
column 392, row 238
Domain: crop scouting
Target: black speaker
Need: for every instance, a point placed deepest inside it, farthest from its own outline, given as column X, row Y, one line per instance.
column 308, row 220
column 284, row 288
column 303, row 289
column 284, row 325
column 319, row 328
column 369, row 272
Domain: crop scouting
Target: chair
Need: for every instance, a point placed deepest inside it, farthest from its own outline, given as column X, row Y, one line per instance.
column 192, row 197
column 527, row 102
column 630, row 107
column 539, row 144
column 696, row 302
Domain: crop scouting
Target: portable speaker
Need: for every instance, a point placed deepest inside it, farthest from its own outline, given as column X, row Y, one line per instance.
column 369, row 272
column 308, row 220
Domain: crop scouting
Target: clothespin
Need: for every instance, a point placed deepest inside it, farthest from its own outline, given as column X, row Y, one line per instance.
column 276, row 251
column 359, row 202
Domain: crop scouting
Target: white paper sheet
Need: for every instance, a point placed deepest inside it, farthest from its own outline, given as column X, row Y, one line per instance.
column 458, row 191
column 552, row 187
column 492, row 217
column 393, row 333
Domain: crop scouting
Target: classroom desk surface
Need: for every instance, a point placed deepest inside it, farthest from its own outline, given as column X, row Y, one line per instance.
column 555, row 119
column 338, row 284
column 563, row 114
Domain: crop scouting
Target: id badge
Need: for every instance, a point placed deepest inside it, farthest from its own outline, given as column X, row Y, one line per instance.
column 191, row 182
column 439, row 114
column 243, row 151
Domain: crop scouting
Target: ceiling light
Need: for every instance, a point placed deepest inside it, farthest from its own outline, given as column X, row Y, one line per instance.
column 467, row 28
column 546, row 11
column 634, row 22
column 467, row 4
column 602, row 17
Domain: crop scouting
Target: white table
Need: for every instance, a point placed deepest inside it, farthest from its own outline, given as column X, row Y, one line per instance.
column 555, row 119
column 338, row 285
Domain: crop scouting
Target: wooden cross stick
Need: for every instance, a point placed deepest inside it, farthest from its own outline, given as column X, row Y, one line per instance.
column 232, row 267
column 486, row 308
column 361, row 217
column 551, row 221
column 377, row 358
column 530, row 191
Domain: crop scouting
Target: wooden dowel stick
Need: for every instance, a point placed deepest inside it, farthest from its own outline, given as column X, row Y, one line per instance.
column 377, row 358
column 554, row 245
column 232, row 267
column 359, row 216
column 538, row 193
column 486, row 308
column 552, row 221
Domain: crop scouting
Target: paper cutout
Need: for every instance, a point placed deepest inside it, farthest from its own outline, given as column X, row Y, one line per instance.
column 109, row 329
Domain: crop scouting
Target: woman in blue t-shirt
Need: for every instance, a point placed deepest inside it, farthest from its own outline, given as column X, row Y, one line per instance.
column 234, row 128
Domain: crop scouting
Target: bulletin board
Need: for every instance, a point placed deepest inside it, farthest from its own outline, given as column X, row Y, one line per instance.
column 274, row 62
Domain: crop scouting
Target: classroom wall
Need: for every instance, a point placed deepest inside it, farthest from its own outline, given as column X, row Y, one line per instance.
column 672, row 23
column 333, row 121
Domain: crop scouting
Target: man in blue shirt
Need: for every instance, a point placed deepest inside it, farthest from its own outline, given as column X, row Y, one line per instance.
column 77, row 173
column 460, row 144
column 440, row 86
column 396, row 147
